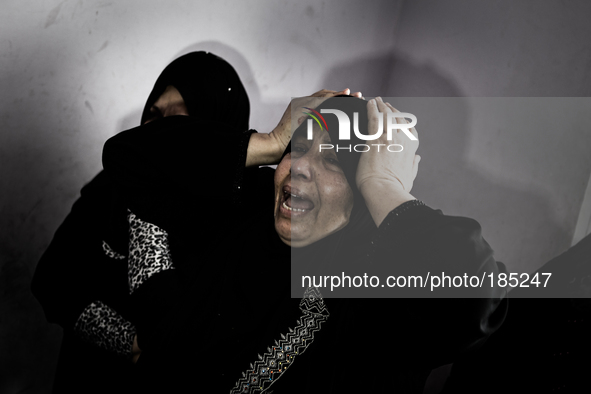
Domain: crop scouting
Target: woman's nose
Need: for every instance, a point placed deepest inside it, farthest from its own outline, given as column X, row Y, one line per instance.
column 302, row 168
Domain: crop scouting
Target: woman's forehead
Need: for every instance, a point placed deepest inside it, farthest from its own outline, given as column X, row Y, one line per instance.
column 317, row 134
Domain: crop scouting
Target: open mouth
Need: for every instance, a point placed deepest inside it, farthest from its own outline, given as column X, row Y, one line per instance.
column 295, row 202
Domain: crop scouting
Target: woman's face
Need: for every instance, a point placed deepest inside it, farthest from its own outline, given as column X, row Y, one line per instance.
column 312, row 196
column 169, row 103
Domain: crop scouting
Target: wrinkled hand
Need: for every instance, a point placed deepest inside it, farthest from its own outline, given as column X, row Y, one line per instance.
column 266, row 149
column 293, row 115
column 398, row 169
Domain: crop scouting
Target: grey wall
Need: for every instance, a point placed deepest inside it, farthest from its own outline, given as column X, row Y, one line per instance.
column 524, row 182
column 73, row 73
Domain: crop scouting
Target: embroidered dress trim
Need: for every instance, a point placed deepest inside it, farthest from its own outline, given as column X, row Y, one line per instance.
column 277, row 360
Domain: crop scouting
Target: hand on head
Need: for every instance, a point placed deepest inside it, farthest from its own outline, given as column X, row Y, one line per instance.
column 398, row 168
column 293, row 115
column 383, row 177
column 315, row 188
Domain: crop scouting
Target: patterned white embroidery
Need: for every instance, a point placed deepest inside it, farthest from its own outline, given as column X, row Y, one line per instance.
column 111, row 253
column 275, row 362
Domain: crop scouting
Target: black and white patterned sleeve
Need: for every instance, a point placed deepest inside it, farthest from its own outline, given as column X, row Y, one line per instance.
column 104, row 327
column 148, row 251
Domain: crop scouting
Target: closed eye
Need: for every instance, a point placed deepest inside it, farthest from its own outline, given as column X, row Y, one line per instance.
column 298, row 150
column 155, row 111
column 154, row 114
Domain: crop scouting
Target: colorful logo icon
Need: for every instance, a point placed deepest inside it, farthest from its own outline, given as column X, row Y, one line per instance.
column 316, row 117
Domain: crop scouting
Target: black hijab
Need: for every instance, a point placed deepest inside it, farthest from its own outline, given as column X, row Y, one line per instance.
column 212, row 92
column 209, row 86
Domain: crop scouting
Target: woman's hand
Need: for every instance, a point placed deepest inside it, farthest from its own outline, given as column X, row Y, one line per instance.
column 398, row 168
column 264, row 149
column 385, row 178
column 293, row 115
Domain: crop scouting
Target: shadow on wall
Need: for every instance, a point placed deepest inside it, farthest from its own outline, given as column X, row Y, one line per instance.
column 28, row 344
column 445, row 180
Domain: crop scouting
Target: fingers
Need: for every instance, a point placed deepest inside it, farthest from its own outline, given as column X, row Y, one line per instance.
column 392, row 109
column 384, row 107
column 330, row 93
column 415, row 166
column 400, row 120
column 319, row 97
column 373, row 116
column 384, row 110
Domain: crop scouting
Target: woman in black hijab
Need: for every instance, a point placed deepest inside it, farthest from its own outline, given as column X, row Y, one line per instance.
column 81, row 280
column 221, row 317
column 208, row 85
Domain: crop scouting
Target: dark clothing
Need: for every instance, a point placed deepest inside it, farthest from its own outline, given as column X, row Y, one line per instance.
column 224, row 321
column 74, row 269
column 81, row 280
column 544, row 344
column 74, row 272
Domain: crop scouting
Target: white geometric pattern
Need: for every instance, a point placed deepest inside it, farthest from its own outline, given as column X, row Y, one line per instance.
column 277, row 360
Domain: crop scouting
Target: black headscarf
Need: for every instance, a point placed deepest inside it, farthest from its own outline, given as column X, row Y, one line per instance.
column 209, row 86
column 212, row 92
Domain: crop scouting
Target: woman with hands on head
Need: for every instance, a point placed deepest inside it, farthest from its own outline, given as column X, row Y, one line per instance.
column 223, row 319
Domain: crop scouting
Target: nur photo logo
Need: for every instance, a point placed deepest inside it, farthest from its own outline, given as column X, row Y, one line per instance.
column 345, row 129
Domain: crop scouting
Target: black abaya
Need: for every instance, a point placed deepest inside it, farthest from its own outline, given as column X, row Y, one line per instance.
column 81, row 279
